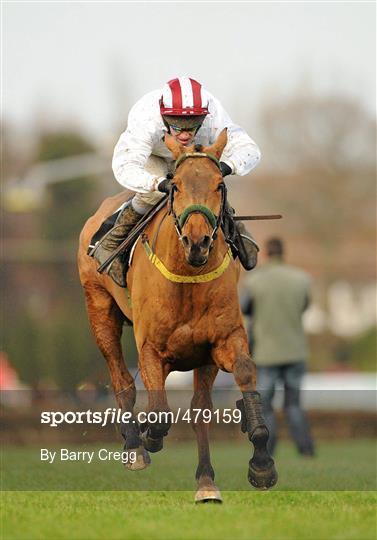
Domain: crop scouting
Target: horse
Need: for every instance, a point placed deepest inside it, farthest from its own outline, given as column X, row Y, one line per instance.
column 182, row 300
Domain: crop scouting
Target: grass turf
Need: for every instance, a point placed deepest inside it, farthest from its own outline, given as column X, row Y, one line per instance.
column 340, row 465
column 156, row 515
column 172, row 515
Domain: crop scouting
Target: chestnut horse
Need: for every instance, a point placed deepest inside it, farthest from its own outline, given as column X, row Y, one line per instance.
column 183, row 302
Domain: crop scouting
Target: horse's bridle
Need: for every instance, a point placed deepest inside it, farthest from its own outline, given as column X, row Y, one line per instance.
column 213, row 220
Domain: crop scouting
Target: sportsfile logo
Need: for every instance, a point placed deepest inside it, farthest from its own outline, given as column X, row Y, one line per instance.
column 116, row 416
column 102, row 418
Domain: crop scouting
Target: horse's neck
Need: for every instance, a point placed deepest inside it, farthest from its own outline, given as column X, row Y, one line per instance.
column 168, row 247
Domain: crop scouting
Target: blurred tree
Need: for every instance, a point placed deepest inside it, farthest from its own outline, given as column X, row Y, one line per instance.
column 15, row 152
column 60, row 144
column 321, row 164
column 70, row 202
column 68, row 352
column 24, row 343
column 74, row 357
column 328, row 134
column 57, row 348
column 322, row 150
column 363, row 351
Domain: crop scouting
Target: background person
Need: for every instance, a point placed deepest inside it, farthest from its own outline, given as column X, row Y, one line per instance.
column 276, row 295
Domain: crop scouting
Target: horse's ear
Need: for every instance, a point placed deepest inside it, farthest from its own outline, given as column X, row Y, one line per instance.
column 174, row 146
column 219, row 145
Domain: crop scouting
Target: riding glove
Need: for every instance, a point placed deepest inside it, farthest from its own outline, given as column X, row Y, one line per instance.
column 164, row 185
column 225, row 169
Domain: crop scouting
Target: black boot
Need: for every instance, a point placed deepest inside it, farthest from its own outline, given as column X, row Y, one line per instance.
column 262, row 473
column 125, row 222
column 246, row 246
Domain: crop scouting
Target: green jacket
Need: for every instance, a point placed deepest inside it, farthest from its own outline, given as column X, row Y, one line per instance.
column 278, row 294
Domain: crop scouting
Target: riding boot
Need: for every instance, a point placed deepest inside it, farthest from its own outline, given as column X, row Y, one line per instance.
column 125, row 222
column 246, row 246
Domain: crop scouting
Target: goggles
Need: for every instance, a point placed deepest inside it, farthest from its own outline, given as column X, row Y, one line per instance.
column 184, row 123
column 177, row 129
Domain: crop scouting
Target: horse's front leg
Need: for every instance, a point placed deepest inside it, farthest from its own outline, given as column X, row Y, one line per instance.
column 154, row 372
column 106, row 321
column 232, row 354
column 205, row 475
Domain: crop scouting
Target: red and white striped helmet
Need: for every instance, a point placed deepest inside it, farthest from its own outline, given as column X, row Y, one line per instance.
column 183, row 96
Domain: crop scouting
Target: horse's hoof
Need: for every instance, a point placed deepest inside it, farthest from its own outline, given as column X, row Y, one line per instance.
column 262, row 478
column 138, row 459
column 208, row 495
column 152, row 445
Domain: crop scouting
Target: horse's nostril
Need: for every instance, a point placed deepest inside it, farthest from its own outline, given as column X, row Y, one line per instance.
column 206, row 242
column 185, row 241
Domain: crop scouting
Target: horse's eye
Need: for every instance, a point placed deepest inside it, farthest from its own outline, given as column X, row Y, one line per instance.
column 220, row 186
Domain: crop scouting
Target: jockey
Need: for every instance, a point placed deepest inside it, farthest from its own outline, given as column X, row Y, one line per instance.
column 141, row 160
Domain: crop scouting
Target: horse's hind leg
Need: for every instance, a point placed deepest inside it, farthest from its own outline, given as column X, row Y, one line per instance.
column 205, row 475
column 106, row 321
column 233, row 355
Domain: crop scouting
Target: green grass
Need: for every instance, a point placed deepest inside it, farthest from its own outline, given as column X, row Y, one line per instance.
column 342, row 465
column 283, row 514
column 161, row 515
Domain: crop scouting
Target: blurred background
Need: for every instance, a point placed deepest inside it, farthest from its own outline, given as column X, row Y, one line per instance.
column 299, row 77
